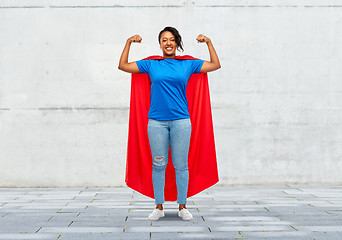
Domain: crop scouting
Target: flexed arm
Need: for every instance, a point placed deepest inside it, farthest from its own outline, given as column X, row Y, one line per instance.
column 124, row 65
column 214, row 63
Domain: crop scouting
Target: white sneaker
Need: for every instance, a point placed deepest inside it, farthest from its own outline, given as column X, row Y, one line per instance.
column 156, row 214
column 185, row 214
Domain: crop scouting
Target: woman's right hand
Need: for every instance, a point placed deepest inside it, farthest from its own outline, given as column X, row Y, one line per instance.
column 135, row 38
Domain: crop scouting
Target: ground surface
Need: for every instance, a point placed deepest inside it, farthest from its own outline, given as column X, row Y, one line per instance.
column 241, row 212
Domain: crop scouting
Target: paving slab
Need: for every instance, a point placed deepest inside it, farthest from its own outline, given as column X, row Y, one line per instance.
column 27, row 236
column 192, row 236
column 104, row 236
column 298, row 235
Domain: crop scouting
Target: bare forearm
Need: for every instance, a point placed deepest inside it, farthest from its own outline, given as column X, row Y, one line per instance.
column 213, row 55
column 124, row 55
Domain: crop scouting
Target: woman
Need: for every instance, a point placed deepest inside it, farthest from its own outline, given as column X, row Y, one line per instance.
column 169, row 121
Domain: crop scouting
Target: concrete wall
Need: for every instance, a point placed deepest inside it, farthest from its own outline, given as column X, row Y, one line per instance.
column 277, row 100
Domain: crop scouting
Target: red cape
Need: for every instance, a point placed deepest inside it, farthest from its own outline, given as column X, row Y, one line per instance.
column 202, row 162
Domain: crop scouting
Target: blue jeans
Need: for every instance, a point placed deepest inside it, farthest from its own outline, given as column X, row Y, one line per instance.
column 161, row 135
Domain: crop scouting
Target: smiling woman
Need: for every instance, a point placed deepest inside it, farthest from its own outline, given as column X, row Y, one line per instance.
column 170, row 40
column 169, row 123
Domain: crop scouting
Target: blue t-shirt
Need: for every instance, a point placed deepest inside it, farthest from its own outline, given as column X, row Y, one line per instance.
column 169, row 78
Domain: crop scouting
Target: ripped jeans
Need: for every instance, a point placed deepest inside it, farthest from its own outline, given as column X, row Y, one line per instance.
column 176, row 134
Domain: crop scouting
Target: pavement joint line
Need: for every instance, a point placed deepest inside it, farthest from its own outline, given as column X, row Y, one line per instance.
column 198, row 210
column 294, row 228
column 295, row 198
column 50, row 218
column 86, row 207
column 124, row 229
column 327, row 212
column 39, row 229
column 4, row 204
column 78, row 214
column 59, row 236
column 126, row 218
column 209, row 229
column 241, row 234
column 285, row 192
column 203, row 218
column 266, row 209
column 70, row 223
column 67, row 204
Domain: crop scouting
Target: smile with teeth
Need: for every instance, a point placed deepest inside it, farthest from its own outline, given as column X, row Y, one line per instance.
column 169, row 48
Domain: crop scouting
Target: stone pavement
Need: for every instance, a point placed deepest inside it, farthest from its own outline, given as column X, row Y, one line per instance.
column 239, row 212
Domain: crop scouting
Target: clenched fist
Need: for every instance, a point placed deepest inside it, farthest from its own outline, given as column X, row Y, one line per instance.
column 201, row 38
column 135, row 38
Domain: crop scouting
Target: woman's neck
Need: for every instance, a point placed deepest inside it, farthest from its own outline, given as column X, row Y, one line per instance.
column 171, row 57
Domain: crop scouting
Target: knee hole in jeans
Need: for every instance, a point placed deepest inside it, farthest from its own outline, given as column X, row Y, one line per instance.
column 159, row 161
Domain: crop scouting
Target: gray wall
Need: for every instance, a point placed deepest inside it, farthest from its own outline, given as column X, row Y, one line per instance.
column 277, row 100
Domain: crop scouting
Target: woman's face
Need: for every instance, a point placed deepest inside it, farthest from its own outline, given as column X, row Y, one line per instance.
column 168, row 44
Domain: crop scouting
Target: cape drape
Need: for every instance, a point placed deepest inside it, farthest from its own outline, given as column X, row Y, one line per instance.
column 202, row 162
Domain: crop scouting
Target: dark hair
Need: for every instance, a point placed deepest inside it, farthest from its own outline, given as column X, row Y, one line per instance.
column 175, row 33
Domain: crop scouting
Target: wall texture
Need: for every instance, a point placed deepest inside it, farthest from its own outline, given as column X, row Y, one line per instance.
column 277, row 100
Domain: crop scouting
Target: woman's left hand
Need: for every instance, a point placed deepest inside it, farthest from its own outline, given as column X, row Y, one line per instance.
column 214, row 63
column 201, row 38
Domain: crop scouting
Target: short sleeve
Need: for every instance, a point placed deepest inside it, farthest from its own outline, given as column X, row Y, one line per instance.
column 197, row 65
column 144, row 65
